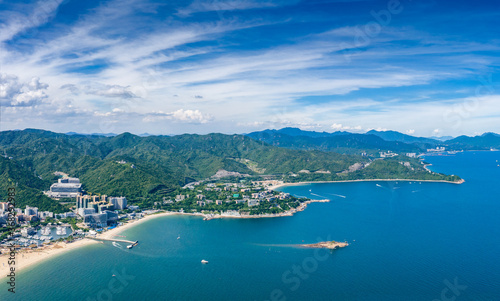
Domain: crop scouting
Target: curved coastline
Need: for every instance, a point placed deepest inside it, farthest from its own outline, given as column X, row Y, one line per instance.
column 274, row 187
column 27, row 258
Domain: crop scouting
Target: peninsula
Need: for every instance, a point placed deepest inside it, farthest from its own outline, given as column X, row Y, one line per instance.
column 332, row 245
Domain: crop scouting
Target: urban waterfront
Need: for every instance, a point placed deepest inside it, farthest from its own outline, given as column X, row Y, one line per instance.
column 408, row 241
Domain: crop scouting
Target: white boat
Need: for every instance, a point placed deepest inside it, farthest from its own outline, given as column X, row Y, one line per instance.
column 46, row 231
column 130, row 246
column 204, row 261
column 179, row 237
column 61, row 230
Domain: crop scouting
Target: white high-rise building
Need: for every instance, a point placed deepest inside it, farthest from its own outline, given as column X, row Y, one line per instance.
column 31, row 210
column 119, row 203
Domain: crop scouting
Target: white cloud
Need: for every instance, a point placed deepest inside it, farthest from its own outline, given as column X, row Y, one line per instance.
column 410, row 132
column 15, row 93
column 190, row 116
column 181, row 115
column 341, row 127
column 145, row 61
column 15, row 22
column 111, row 91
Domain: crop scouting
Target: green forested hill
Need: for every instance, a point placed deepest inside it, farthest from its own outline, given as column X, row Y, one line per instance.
column 156, row 164
column 159, row 162
column 345, row 143
column 28, row 188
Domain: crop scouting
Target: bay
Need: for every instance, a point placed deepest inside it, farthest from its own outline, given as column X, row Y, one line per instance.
column 408, row 241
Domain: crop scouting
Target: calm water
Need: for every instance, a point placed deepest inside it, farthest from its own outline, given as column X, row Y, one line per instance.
column 409, row 242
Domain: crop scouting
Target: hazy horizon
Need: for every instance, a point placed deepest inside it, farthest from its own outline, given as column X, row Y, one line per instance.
column 240, row 133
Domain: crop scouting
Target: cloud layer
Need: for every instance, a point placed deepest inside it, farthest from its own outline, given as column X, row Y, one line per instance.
column 243, row 65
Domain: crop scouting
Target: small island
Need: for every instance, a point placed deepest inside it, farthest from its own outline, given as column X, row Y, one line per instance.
column 332, row 245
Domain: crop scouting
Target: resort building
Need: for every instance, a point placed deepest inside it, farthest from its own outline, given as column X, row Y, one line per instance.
column 119, row 203
column 45, row 214
column 86, row 211
column 252, row 203
column 96, row 220
column 65, row 188
column 112, row 217
column 31, row 210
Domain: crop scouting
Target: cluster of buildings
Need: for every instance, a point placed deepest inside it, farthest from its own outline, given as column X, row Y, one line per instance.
column 388, row 154
column 98, row 211
column 239, row 193
column 30, row 214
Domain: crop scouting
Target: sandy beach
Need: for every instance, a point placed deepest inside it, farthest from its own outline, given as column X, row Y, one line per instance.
column 274, row 187
column 28, row 257
column 133, row 223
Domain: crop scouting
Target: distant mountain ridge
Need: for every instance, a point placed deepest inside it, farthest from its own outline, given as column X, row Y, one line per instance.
column 371, row 142
column 397, row 136
column 341, row 142
column 484, row 141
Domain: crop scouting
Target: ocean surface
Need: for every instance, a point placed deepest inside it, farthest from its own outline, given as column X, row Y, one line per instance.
column 409, row 241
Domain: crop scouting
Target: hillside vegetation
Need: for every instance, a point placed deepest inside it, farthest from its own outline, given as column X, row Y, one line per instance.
column 145, row 168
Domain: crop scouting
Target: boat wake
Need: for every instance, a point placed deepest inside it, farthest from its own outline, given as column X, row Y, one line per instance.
column 117, row 245
column 339, row 195
column 319, row 195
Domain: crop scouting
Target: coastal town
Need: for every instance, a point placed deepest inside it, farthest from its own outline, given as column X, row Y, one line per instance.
column 93, row 217
column 96, row 217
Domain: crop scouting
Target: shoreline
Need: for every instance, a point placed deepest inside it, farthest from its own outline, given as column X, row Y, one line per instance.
column 26, row 258
column 274, row 187
column 130, row 224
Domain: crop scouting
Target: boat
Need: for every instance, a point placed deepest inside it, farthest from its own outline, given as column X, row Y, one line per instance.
column 60, row 230
column 179, row 237
column 204, row 261
column 130, row 246
column 46, row 231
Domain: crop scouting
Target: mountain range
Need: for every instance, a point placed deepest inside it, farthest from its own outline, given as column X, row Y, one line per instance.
column 145, row 168
column 371, row 142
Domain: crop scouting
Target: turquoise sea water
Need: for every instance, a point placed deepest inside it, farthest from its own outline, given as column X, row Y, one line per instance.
column 409, row 241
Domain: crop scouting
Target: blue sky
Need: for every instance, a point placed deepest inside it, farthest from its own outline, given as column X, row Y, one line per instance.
column 426, row 68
